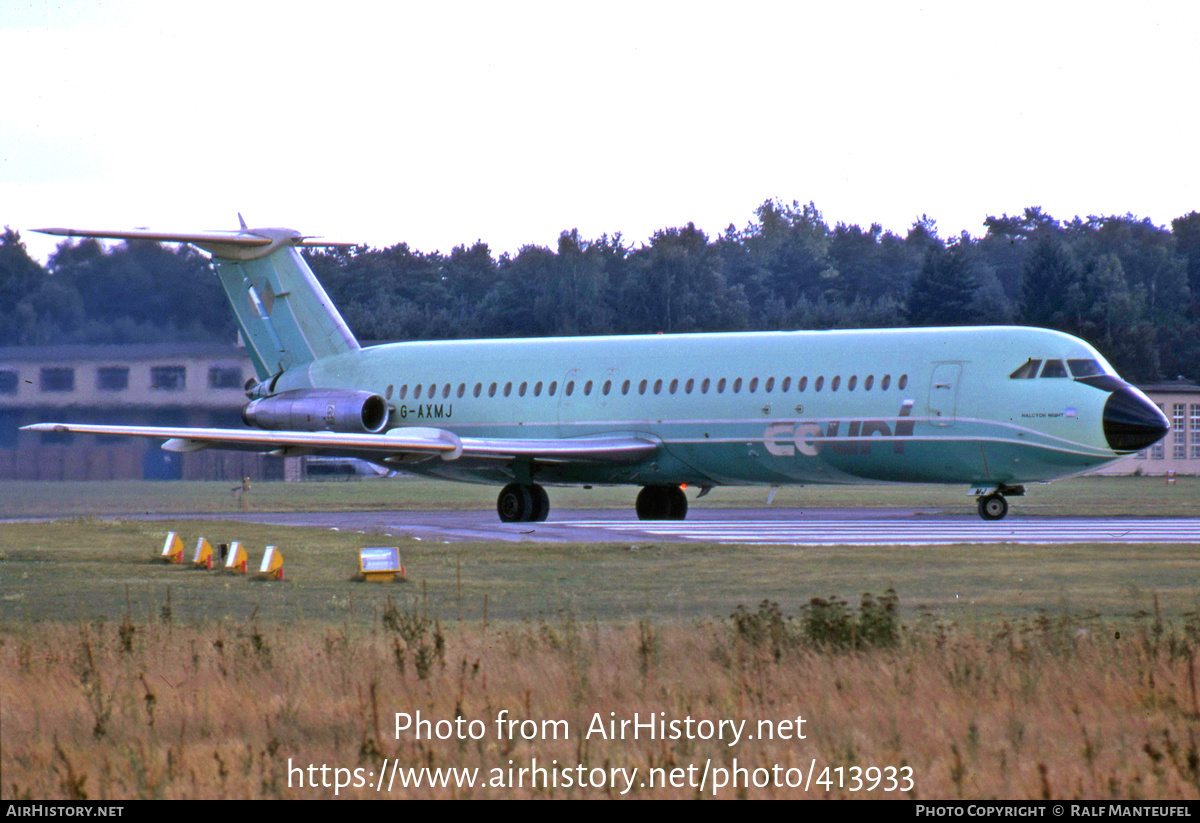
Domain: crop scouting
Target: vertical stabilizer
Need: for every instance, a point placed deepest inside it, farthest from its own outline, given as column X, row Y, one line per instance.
column 282, row 311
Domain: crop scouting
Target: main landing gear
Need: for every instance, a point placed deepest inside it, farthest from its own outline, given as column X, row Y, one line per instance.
column 519, row 502
column 993, row 505
column 661, row 503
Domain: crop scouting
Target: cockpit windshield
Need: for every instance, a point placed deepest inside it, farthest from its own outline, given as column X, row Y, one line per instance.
column 1057, row 368
column 1085, row 368
column 1028, row 370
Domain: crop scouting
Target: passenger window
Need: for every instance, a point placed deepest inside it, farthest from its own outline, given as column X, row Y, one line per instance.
column 553, row 388
column 753, row 387
column 770, row 384
column 802, row 384
column 674, row 386
column 462, row 389
column 721, row 386
column 704, row 386
column 403, row 391
column 1030, row 369
column 507, row 389
column 868, row 382
column 521, row 390
column 691, row 384
column 587, row 388
column 478, row 388
column 785, row 385
column 537, row 389
column 658, row 386
column 837, row 381
column 820, row 382
column 902, row 382
column 625, row 387
column 569, row 389
column 1085, row 368
column 492, row 390
column 853, row 381
column 642, row 387
column 1054, row 368
column 446, row 391
column 432, row 390
column 417, row 391
column 737, row 385
column 607, row 386
column 885, row 382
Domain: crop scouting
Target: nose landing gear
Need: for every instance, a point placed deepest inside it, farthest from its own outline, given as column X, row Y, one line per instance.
column 992, row 501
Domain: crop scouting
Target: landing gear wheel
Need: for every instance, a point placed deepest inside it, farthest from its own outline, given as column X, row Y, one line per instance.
column 993, row 506
column 518, row 503
column 676, row 503
column 541, row 504
column 515, row 503
column 661, row 503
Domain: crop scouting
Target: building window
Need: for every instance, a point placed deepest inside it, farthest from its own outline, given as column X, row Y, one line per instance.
column 112, row 378
column 8, row 382
column 57, row 380
column 227, row 377
column 1195, row 427
column 1179, row 424
column 1157, row 452
column 168, row 378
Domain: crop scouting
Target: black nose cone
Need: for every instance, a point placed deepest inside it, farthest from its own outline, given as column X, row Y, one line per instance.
column 1132, row 422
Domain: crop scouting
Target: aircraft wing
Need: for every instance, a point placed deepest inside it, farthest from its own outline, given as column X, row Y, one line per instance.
column 406, row 444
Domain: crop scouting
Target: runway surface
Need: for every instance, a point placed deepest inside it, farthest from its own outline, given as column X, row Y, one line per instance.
column 825, row 527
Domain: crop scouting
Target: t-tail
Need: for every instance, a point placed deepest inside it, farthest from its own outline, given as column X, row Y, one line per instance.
column 284, row 315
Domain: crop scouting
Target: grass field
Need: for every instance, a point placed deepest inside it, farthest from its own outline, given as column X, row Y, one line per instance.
column 87, row 569
column 1012, row 671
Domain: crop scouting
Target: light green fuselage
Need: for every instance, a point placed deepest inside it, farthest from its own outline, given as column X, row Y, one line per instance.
column 949, row 413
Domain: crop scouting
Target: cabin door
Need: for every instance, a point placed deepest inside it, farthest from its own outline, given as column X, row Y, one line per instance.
column 943, row 393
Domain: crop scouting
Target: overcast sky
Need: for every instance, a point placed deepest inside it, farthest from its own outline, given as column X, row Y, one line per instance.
column 439, row 123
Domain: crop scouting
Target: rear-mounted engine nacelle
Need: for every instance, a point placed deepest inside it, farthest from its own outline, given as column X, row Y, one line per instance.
column 313, row 410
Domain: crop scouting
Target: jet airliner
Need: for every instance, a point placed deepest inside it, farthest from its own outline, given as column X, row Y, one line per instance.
column 992, row 408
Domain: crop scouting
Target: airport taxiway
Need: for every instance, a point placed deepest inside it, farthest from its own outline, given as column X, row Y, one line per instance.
column 798, row 527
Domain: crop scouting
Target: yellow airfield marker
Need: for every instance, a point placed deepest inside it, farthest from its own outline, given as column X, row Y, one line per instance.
column 236, row 562
column 380, row 564
column 272, row 564
column 172, row 550
column 204, row 554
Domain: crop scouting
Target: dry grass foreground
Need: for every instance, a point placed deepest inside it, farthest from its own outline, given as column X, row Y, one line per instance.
column 1040, row 708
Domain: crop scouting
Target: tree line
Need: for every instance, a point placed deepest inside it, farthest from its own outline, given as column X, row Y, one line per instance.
column 1126, row 285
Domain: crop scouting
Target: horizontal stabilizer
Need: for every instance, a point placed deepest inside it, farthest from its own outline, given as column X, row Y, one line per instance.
column 243, row 244
column 233, row 238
